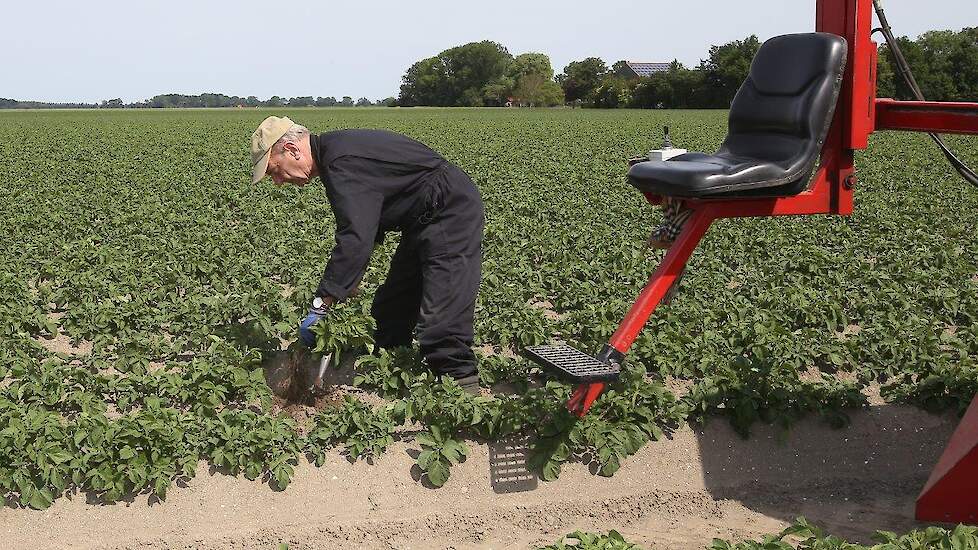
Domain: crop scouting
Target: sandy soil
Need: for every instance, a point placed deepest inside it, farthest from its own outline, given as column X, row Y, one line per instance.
column 679, row 493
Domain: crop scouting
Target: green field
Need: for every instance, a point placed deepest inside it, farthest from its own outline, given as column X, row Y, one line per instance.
column 139, row 236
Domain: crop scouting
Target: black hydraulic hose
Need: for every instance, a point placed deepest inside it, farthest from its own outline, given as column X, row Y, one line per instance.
column 904, row 69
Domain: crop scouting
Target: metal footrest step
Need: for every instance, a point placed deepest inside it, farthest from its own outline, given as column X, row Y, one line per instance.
column 572, row 365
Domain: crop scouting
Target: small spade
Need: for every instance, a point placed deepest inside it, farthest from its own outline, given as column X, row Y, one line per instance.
column 313, row 379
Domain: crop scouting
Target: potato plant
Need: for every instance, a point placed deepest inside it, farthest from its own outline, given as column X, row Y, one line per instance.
column 581, row 540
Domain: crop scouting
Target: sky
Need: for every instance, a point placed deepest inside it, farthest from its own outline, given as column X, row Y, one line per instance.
column 66, row 51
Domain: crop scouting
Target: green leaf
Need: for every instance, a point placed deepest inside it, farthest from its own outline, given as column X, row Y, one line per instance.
column 438, row 473
column 610, row 467
column 426, row 458
column 551, row 470
column 41, row 499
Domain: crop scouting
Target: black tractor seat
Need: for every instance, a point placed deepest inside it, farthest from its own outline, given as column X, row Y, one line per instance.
column 778, row 122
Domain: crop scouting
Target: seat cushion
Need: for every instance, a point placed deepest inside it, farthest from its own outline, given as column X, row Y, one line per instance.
column 700, row 174
column 778, row 123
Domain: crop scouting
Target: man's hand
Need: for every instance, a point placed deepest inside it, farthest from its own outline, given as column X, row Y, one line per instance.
column 318, row 310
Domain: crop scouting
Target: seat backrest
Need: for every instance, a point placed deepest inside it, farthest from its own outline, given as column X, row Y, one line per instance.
column 782, row 112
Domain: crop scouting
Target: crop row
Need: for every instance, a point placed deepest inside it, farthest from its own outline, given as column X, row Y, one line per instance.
column 115, row 433
column 801, row 535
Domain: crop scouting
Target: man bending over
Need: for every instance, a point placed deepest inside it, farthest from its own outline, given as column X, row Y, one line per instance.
column 379, row 181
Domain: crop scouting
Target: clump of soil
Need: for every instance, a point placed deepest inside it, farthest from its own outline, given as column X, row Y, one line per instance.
column 302, row 412
column 290, row 373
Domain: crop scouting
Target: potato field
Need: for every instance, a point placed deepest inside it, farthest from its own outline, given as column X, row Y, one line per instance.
column 144, row 278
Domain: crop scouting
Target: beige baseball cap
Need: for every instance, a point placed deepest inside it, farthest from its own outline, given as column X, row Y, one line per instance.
column 269, row 131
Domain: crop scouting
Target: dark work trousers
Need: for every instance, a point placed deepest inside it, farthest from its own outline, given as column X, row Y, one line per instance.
column 434, row 278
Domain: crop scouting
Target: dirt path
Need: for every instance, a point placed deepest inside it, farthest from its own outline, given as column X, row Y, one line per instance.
column 673, row 494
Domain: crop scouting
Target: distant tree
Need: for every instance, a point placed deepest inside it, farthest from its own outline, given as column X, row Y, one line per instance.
column 530, row 63
column 677, row 88
column 689, row 88
column 613, row 92
column 16, row 104
column 346, row 102
column 726, row 69
column 944, row 64
column 116, row 103
column 962, row 65
column 154, row 102
column 306, row 101
column 551, row 94
column 458, row 76
column 274, row 101
column 474, row 65
column 580, row 79
column 364, row 102
column 471, row 97
column 498, row 92
column 426, row 83
column 208, row 100
column 533, row 81
column 649, row 93
column 622, row 69
column 326, row 101
column 534, row 90
column 528, row 89
column 388, row 102
column 885, row 77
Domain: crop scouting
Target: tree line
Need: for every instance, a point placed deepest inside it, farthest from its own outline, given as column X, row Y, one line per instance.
column 221, row 100
column 183, row 101
column 945, row 64
column 481, row 74
column 485, row 74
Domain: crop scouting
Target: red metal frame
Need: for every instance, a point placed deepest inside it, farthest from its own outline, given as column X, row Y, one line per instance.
column 858, row 114
column 927, row 116
column 583, row 397
column 951, row 493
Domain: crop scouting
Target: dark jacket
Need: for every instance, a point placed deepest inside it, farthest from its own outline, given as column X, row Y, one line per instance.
column 376, row 182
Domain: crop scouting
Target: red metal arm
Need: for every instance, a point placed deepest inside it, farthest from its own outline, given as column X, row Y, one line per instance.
column 822, row 198
column 663, row 278
column 927, row 116
column 583, row 397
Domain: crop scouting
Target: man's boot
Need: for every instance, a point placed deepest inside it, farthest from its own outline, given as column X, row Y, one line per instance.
column 470, row 384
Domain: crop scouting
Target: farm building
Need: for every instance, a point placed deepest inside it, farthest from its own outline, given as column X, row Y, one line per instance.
column 631, row 69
